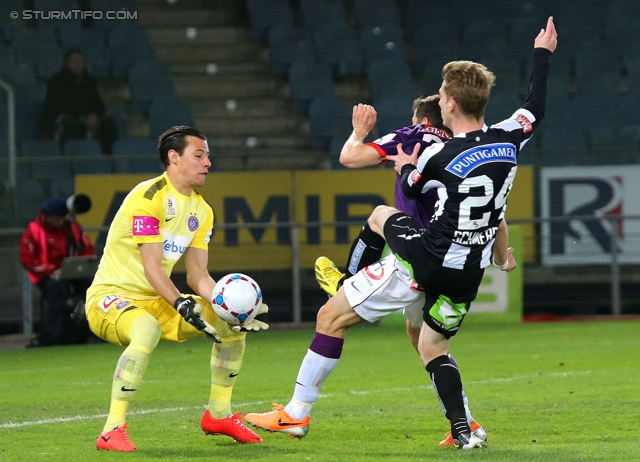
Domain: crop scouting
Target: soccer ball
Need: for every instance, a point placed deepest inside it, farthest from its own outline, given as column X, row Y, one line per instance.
column 236, row 298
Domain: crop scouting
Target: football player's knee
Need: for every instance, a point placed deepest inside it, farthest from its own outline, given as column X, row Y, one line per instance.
column 145, row 331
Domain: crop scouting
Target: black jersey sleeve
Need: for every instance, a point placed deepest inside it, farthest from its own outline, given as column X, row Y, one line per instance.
column 536, row 99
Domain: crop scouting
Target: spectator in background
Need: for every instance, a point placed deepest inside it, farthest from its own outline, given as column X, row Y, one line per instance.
column 73, row 107
column 46, row 241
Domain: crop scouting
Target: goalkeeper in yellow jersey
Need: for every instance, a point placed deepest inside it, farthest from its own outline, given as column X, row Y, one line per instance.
column 133, row 302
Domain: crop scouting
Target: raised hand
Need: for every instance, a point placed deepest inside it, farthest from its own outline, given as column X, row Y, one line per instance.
column 547, row 38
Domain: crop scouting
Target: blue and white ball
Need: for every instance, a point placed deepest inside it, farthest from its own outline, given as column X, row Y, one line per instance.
column 236, row 298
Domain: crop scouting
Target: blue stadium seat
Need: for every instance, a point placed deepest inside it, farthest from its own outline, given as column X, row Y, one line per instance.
column 436, row 41
column 146, row 82
column 46, row 168
column 393, row 112
column 388, row 78
column 128, row 46
column 40, row 148
column 316, row 14
column 171, row 104
column 265, row 14
column 30, row 197
column 136, row 147
column 56, row 5
column 39, row 49
column 92, row 166
column 118, row 116
column 382, row 43
column 308, row 80
column 112, row 5
column 338, row 46
column 81, row 147
column 161, row 121
column 371, row 13
column 132, row 154
column 287, row 44
column 501, row 106
column 329, row 117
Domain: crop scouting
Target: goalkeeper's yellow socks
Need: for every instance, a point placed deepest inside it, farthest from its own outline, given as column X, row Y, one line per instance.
column 226, row 360
column 144, row 333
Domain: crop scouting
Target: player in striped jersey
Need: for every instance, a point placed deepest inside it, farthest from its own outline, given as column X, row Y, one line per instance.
column 449, row 284
column 426, row 129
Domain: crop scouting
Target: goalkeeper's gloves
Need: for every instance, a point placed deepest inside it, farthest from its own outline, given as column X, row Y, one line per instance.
column 254, row 324
column 191, row 312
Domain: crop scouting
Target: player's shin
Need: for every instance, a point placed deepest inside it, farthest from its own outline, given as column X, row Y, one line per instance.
column 365, row 250
column 226, row 360
column 448, row 386
column 320, row 360
column 145, row 334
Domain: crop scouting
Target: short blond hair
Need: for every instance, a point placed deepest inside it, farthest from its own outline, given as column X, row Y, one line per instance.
column 469, row 85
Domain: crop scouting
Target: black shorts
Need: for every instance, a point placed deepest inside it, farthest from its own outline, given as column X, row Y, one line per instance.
column 449, row 291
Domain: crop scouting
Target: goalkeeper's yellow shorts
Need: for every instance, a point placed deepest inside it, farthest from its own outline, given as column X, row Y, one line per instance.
column 110, row 318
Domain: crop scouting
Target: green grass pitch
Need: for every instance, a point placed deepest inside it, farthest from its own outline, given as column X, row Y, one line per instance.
column 547, row 392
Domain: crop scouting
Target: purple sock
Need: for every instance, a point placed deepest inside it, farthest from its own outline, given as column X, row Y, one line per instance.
column 327, row 346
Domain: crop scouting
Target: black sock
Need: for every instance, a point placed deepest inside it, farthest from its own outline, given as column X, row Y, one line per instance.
column 365, row 250
column 448, row 385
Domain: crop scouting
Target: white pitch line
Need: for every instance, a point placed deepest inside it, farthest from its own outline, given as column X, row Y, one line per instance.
column 254, row 403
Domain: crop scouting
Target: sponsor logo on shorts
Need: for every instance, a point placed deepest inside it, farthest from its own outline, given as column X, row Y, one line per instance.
column 121, row 305
column 375, row 271
column 107, row 302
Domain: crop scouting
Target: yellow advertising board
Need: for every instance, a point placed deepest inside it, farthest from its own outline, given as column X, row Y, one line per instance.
column 241, row 200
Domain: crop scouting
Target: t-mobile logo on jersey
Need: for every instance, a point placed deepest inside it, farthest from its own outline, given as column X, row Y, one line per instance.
column 145, row 226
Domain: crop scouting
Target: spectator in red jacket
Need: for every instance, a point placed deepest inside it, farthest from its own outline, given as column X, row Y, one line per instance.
column 48, row 239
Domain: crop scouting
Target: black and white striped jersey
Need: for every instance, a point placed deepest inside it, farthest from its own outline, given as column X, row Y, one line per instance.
column 474, row 173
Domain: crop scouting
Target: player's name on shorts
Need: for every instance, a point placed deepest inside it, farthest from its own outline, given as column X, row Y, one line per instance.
column 474, row 237
column 468, row 160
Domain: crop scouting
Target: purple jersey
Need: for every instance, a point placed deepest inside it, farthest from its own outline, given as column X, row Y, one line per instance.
column 422, row 208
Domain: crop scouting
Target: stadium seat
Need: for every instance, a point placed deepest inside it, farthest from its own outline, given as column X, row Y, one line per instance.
column 287, row 44
column 82, row 147
column 56, row 5
column 389, row 78
column 329, row 117
column 63, row 186
column 382, row 43
column 338, row 46
column 435, row 42
column 500, row 106
column 161, row 121
column 117, row 114
column 46, row 168
column 171, row 104
column 376, row 13
column 40, row 148
column 112, row 5
column 92, row 166
column 265, row 14
column 146, row 82
column 308, row 80
column 39, row 49
column 393, row 112
column 128, row 46
column 127, row 154
column 315, row 14
column 30, row 195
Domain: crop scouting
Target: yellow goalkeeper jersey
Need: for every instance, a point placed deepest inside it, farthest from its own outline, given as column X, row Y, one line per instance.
column 154, row 211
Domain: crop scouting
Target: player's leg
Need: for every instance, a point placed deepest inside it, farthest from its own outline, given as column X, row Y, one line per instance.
column 226, row 361
column 366, row 249
column 123, row 322
column 433, row 346
column 334, row 318
column 371, row 294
